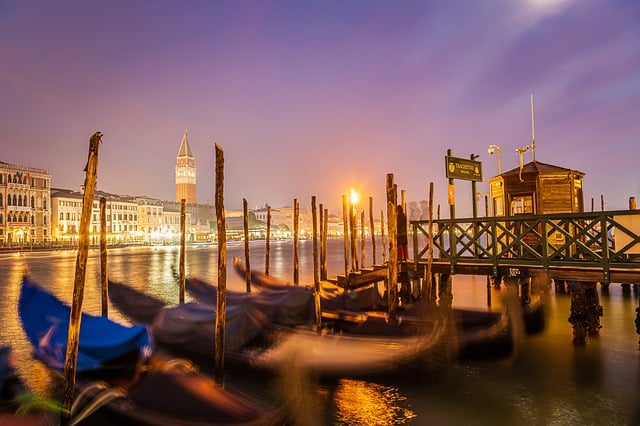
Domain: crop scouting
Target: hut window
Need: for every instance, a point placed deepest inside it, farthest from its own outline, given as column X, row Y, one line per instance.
column 522, row 204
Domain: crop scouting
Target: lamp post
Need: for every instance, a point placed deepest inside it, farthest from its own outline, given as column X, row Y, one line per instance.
column 496, row 148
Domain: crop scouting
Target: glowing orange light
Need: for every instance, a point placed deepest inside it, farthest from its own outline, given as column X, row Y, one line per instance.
column 353, row 196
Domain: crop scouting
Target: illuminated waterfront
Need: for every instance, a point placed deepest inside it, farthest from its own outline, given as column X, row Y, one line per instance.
column 547, row 382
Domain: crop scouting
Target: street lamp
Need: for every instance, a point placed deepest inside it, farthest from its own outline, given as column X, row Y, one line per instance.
column 496, row 148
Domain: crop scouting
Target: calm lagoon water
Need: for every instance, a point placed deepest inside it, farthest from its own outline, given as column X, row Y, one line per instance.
column 547, row 381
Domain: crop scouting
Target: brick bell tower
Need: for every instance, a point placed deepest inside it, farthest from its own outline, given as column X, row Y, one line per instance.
column 185, row 172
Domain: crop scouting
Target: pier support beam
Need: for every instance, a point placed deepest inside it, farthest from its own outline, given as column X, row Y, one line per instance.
column 585, row 311
column 637, row 321
column 445, row 295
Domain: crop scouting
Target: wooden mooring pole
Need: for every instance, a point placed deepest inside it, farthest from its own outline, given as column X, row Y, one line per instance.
column 267, row 240
column 372, row 230
column 323, row 244
column 183, row 245
column 392, row 287
column 296, row 227
column 362, row 240
column 382, row 240
column 75, row 315
column 247, row 257
column 221, row 302
column 428, row 293
column 316, row 271
column 104, row 275
column 346, row 239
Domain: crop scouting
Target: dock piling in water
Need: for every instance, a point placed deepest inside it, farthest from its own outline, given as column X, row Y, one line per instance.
column 75, row 315
column 104, row 277
column 183, row 228
column 221, row 302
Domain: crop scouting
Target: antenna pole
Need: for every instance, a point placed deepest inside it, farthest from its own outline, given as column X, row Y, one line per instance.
column 533, row 133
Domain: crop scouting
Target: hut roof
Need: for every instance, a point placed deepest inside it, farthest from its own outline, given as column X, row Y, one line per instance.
column 536, row 167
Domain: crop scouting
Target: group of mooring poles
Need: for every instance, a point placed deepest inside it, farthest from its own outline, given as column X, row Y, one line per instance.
column 71, row 355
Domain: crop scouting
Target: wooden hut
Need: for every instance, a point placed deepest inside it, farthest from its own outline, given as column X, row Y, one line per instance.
column 537, row 188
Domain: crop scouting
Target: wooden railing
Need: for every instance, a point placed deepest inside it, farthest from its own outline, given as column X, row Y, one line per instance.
column 606, row 240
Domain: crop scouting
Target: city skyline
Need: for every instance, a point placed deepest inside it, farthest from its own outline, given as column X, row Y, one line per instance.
column 314, row 98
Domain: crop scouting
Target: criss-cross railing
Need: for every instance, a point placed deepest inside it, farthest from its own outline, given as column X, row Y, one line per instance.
column 598, row 239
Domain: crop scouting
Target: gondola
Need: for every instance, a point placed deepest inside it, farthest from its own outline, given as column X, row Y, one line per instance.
column 272, row 348
column 121, row 380
column 471, row 335
column 532, row 312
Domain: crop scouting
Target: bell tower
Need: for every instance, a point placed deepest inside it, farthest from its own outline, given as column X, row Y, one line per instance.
column 185, row 172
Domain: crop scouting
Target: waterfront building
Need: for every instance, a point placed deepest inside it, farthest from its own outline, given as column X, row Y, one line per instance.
column 185, row 172
column 151, row 220
column 171, row 222
column 121, row 217
column 25, row 209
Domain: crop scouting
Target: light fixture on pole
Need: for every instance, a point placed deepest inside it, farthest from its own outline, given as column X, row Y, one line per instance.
column 496, row 148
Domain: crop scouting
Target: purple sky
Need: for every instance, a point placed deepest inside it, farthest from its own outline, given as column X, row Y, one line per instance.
column 314, row 97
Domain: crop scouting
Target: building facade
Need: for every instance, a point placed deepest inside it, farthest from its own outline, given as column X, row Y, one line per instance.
column 185, row 172
column 121, row 217
column 25, row 208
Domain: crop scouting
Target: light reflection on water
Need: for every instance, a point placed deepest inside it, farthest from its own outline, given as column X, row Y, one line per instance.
column 548, row 382
column 365, row 403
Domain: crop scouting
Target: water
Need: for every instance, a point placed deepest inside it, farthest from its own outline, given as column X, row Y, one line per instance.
column 548, row 381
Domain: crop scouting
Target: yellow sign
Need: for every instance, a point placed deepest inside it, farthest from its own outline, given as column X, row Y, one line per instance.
column 460, row 168
column 451, row 193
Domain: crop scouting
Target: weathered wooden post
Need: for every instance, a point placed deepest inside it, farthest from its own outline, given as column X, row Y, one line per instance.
column 75, row 315
column 183, row 245
column 392, row 287
column 362, row 240
column 382, row 240
column 247, row 257
column 324, row 221
column 346, row 239
column 296, row 259
column 486, row 236
column 221, row 302
column 428, row 293
column 268, row 239
column 104, row 275
column 316, row 274
column 353, row 234
column 372, row 228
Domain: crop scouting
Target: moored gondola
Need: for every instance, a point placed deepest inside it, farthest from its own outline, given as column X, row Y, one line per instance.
column 121, row 381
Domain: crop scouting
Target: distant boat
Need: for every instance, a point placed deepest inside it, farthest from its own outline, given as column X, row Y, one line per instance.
column 119, row 381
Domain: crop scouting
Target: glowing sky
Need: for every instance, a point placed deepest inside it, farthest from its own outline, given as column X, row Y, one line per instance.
column 314, row 97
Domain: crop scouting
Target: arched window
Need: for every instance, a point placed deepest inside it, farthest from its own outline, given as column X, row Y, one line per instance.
column 1, row 198
column 24, row 201
column 15, row 200
column 0, row 218
column 33, row 220
column 19, row 201
column 8, row 178
column 1, row 178
column 44, row 203
column 33, row 202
